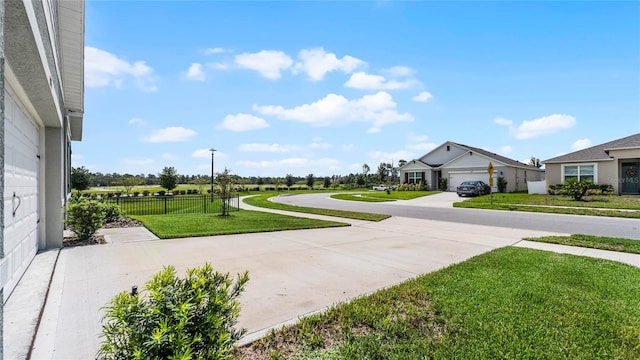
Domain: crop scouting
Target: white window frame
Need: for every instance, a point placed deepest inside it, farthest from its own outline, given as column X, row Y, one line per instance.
column 595, row 171
column 417, row 177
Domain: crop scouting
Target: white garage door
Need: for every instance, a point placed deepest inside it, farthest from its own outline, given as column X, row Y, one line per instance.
column 457, row 178
column 21, row 198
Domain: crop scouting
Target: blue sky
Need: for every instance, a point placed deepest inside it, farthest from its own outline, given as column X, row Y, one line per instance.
column 323, row 87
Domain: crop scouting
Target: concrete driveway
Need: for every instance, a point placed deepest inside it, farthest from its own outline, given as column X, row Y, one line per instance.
column 292, row 273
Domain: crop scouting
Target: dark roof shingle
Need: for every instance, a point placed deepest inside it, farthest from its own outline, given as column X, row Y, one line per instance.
column 500, row 158
column 598, row 152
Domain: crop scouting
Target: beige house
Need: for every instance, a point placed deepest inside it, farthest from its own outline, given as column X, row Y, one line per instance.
column 616, row 163
column 458, row 163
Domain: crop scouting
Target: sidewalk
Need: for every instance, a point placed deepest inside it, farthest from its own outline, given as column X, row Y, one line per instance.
column 292, row 273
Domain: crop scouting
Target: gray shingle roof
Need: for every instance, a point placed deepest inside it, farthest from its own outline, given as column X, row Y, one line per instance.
column 500, row 158
column 598, row 152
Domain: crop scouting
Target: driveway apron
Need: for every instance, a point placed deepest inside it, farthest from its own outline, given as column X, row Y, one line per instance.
column 292, row 273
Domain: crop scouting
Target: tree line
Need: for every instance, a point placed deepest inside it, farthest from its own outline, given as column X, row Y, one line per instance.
column 83, row 179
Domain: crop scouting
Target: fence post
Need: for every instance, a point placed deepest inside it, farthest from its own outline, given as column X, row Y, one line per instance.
column 204, row 204
column 165, row 205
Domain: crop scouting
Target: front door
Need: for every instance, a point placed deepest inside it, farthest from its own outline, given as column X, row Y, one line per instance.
column 630, row 178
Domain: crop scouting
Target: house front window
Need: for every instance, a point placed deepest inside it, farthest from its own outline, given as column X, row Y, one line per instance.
column 579, row 172
column 414, row 177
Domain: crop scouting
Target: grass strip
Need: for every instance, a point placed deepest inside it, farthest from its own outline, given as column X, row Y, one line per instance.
column 508, row 303
column 363, row 198
column 380, row 196
column 549, row 209
column 590, row 201
column 399, row 195
column 594, row 242
column 243, row 221
column 263, row 201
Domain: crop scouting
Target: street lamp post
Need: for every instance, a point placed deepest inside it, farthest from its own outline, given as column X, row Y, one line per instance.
column 212, row 152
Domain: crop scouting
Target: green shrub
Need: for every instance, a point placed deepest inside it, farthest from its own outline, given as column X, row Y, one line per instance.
column 444, row 184
column 557, row 189
column 578, row 189
column 502, row 184
column 606, row 189
column 86, row 217
column 190, row 318
column 111, row 212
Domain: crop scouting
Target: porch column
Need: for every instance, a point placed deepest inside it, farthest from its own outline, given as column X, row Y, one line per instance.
column 54, row 187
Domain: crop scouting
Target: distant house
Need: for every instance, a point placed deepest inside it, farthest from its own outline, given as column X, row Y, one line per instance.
column 616, row 163
column 458, row 163
column 42, row 84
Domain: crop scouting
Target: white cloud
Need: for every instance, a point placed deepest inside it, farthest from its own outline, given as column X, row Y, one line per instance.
column 204, row 153
column 315, row 144
column 136, row 121
column 364, row 81
column 317, row 62
column 242, row 122
column 399, row 71
column 283, row 163
column 269, row 63
column 218, row 66
column 170, row 134
column 422, row 97
column 272, row 148
column 387, row 157
column 101, row 69
column 419, row 142
column 378, row 109
column 504, row 150
column 581, row 144
column 503, row 121
column 425, row 146
column 544, row 126
column 319, row 144
column 355, row 168
column 311, row 165
column 217, row 50
column 168, row 156
column 195, row 72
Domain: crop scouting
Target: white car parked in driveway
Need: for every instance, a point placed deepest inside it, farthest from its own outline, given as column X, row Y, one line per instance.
column 381, row 187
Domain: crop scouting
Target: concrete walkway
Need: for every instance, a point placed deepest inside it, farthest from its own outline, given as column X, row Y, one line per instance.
column 292, row 273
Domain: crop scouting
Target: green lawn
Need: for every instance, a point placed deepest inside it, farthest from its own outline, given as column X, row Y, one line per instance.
column 244, row 221
column 381, row 196
column 596, row 205
column 262, row 200
column 359, row 197
column 594, row 242
column 592, row 201
column 510, row 303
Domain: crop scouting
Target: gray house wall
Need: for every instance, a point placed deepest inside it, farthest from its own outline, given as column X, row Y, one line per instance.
column 2, row 259
column 41, row 46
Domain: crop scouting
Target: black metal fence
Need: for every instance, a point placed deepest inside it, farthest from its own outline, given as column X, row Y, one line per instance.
column 178, row 204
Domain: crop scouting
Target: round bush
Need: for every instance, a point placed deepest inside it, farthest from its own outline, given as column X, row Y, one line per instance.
column 190, row 318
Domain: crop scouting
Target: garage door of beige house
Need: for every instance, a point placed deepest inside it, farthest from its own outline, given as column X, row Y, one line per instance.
column 458, row 177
